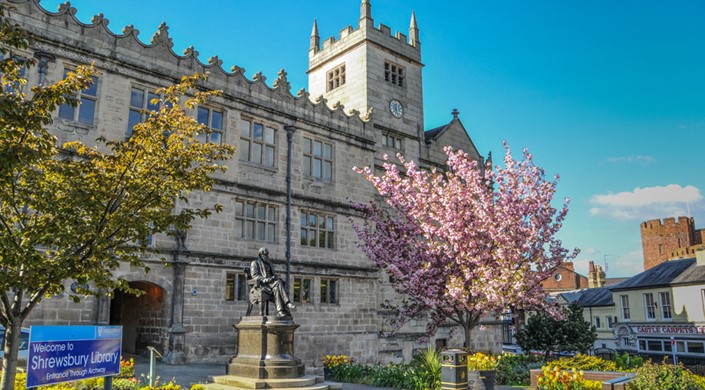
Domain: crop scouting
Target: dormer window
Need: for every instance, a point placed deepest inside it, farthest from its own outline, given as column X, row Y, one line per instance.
column 394, row 74
column 336, row 77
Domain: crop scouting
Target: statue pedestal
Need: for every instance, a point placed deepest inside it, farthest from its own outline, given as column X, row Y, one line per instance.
column 266, row 349
column 265, row 359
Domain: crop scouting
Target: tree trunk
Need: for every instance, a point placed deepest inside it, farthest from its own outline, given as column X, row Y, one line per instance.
column 467, row 330
column 11, row 348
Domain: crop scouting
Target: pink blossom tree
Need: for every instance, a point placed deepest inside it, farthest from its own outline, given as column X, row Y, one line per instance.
column 465, row 242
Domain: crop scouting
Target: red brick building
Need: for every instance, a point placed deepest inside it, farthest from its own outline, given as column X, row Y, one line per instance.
column 565, row 278
column 669, row 239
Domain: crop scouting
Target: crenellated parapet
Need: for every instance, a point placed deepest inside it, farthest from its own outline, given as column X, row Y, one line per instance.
column 63, row 35
column 408, row 46
column 684, row 222
column 660, row 239
column 381, row 35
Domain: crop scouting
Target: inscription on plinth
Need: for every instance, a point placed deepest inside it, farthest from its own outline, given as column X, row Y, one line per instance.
column 266, row 349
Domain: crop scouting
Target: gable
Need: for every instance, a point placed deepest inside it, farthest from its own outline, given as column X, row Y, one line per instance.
column 454, row 135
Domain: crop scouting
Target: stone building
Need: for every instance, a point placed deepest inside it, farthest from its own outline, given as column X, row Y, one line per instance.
column 669, row 239
column 365, row 99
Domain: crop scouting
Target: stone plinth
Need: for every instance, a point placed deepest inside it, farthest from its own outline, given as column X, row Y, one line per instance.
column 266, row 349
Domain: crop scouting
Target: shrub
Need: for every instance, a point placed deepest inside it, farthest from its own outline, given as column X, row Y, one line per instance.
column 426, row 370
column 584, row 362
column 513, row 370
column 664, row 376
column 392, row 375
column 350, row 372
column 626, row 362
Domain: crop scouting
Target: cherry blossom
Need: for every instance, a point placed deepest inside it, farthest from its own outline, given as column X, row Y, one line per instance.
column 469, row 241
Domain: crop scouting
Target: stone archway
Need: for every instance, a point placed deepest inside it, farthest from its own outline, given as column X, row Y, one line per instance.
column 143, row 319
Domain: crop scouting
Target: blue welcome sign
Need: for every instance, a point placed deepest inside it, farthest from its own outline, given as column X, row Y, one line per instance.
column 70, row 353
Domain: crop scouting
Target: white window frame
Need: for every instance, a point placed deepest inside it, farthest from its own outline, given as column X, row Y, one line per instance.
column 626, row 312
column 666, row 307
column 649, row 309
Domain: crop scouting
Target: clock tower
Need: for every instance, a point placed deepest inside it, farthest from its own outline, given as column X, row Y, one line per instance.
column 368, row 68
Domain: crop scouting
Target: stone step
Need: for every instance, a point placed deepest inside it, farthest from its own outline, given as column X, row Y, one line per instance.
column 317, row 386
column 284, row 383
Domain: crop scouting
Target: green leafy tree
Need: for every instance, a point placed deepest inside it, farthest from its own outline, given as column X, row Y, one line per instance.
column 550, row 335
column 76, row 212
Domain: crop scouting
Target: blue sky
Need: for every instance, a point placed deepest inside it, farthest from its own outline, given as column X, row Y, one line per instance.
column 610, row 95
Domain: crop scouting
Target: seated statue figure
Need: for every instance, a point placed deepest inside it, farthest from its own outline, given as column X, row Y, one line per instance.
column 268, row 286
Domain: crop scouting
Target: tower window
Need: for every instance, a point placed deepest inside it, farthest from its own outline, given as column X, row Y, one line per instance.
column 392, row 141
column 336, row 77
column 394, row 74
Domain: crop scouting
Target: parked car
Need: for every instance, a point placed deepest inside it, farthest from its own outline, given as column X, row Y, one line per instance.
column 24, row 344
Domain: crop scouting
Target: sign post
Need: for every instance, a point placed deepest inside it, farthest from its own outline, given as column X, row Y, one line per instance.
column 69, row 353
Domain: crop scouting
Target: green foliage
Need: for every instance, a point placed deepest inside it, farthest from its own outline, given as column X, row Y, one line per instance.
column 423, row 373
column 398, row 376
column 513, row 370
column 665, row 376
column 584, row 362
column 626, row 362
column 426, row 370
column 197, row 386
column 549, row 335
column 350, row 372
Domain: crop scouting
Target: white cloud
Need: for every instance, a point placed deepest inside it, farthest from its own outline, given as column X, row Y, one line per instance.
column 626, row 265
column 638, row 159
column 646, row 203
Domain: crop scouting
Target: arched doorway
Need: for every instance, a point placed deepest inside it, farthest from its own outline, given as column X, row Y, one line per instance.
column 142, row 318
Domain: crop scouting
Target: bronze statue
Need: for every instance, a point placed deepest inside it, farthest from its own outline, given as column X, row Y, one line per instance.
column 268, row 286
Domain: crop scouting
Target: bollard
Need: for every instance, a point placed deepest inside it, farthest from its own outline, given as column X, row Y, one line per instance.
column 454, row 369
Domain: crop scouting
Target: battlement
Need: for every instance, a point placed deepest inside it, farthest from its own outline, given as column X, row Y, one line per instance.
column 381, row 31
column 405, row 45
column 667, row 222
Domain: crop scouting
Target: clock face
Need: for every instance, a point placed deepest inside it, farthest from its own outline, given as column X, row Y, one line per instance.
column 396, row 108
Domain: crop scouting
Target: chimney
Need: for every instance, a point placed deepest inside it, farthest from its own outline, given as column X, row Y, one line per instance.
column 700, row 257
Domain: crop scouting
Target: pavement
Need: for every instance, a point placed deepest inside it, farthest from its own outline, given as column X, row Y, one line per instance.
column 189, row 374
